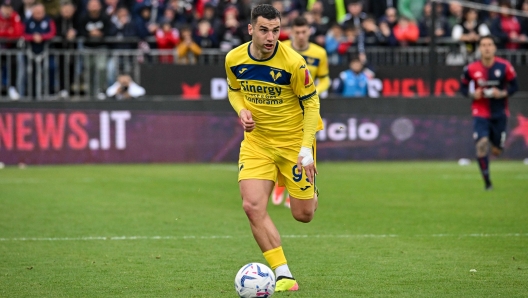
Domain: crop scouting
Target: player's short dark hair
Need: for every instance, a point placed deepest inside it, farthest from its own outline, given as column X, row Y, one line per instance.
column 486, row 37
column 266, row 11
column 300, row 21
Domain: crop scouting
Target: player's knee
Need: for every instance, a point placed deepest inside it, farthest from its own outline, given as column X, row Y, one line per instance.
column 304, row 216
column 482, row 146
column 252, row 209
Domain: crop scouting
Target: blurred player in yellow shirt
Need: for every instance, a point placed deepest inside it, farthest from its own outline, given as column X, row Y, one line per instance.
column 317, row 62
column 273, row 94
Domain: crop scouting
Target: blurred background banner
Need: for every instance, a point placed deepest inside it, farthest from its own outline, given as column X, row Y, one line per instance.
column 193, row 82
column 208, row 131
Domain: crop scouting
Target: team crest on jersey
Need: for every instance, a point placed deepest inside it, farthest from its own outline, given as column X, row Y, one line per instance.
column 310, row 61
column 497, row 73
column 275, row 75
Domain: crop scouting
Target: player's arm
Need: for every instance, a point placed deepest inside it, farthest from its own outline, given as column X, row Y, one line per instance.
column 511, row 77
column 513, row 85
column 236, row 98
column 234, row 93
column 303, row 86
column 465, row 80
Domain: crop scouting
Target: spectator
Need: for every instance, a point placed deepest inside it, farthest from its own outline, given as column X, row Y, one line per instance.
column 411, row 9
column 355, row 15
column 390, row 17
column 373, row 34
column 67, row 29
column 205, row 35
column 11, row 27
column 26, row 9
column 470, row 30
column 51, row 7
column 353, row 19
column 353, row 82
column 441, row 27
column 379, row 8
column 183, row 14
column 95, row 26
column 406, row 31
column 349, row 40
column 456, row 13
column 188, row 51
column 67, row 26
column 110, row 8
column 230, row 33
column 145, row 27
column 507, row 29
column 334, row 37
column 39, row 29
column 124, row 29
column 125, row 88
column 317, row 28
column 167, row 38
column 209, row 14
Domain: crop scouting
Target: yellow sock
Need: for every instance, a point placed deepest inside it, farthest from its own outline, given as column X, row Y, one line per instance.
column 275, row 257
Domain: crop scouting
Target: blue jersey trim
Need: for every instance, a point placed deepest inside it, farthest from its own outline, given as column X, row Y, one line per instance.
column 315, row 60
column 272, row 55
column 307, row 96
column 263, row 73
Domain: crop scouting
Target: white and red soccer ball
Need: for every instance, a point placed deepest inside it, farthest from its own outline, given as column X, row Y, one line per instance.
column 255, row 280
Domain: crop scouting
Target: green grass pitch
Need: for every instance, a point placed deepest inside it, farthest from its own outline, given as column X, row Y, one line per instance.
column 383, row 229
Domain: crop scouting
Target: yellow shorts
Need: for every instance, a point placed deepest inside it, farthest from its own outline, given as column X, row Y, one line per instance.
column 275, row 164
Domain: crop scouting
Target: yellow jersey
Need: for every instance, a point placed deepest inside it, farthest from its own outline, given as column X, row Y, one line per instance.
column 278, row 91
column 317, row 63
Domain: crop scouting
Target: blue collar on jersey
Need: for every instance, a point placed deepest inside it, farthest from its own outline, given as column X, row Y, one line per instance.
column 272, row 55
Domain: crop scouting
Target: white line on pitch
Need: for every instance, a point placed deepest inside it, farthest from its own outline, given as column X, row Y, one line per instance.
column 91, row 238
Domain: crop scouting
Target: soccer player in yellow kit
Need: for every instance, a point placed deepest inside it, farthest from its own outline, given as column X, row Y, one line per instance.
column 317, row 63
column 272, row 92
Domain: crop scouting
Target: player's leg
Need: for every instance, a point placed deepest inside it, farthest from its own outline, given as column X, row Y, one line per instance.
column 498, row 135
column 255, row 194
column 257, row 174
column 481, row 135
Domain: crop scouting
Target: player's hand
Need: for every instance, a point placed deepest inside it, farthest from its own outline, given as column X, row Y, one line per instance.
column 497, row 94
column 306, row 161
column 478, row 94
column 246, row 119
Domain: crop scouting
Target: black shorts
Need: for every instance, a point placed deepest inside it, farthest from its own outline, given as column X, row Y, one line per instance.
column 494, row 129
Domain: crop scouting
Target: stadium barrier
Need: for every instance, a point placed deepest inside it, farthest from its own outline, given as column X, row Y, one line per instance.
column 202, row 131
column 82, row 73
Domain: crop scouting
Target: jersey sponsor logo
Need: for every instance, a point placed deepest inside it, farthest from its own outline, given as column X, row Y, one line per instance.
column 242, row 70
column 302, row 66
column 264, row 101
column 275, row 75
column 305, row 188
column 270, row 90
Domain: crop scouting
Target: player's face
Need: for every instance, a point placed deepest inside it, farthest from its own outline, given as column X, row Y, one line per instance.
column 264, row 35
column 487, row 48
column 301, row 36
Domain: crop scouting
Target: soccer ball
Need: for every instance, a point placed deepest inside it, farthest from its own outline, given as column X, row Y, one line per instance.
column 255, row 280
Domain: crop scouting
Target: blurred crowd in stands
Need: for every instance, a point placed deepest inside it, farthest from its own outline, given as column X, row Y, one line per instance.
column 187, row 27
